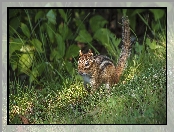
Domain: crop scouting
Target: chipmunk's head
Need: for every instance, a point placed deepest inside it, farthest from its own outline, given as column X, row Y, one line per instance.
column 85, row 61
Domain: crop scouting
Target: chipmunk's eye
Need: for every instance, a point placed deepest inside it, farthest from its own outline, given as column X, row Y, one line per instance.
column 86, row 63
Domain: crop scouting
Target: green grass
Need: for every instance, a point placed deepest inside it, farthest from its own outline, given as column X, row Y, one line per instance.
column 139, row 98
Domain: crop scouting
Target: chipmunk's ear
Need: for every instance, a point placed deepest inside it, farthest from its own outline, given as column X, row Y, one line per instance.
column 80, row 53
column 90, row 52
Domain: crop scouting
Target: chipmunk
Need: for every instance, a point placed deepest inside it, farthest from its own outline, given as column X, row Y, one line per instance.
column 100, row 69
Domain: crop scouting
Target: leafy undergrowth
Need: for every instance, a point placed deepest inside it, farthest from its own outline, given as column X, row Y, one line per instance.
column 139, row 98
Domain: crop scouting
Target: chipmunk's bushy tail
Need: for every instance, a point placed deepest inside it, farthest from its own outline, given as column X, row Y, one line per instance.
column 126, row 40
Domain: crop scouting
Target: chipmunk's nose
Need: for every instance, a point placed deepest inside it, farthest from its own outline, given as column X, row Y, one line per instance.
column 82, row 73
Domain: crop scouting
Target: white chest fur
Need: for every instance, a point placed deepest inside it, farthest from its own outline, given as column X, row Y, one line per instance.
column 86, row 78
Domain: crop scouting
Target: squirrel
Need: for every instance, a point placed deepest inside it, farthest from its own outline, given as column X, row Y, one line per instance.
column 100, row 69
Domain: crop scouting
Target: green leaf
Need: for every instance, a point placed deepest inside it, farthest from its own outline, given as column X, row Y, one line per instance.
column 64, row 30
column 39, row 15
column 152, row 44
column 51, row 17
column 14, row 65
column 37, row 44
column 25, row 30
column 72, row 51
column 97, row 22
column 63, row 15
column 133, row 22
column 69, row 66
column 13, row 25
column 69, row 35
column 43, row 27
column 138, row 48
column 60, row 46
column 37, row 71
column 134, row 13
column 42, row 38
column 108, row 39
column 53, row 53
column 80, row 24
column 15, row 44
column 51, row 32
column 25, row 62
column 155, row 26
column 102, row 35
column 158, row 13
column 14, row 62
column 56, row 53
column 27, row 48
column 112, row 46
column 84, row 37
column 148, row 41
column 124, row 12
